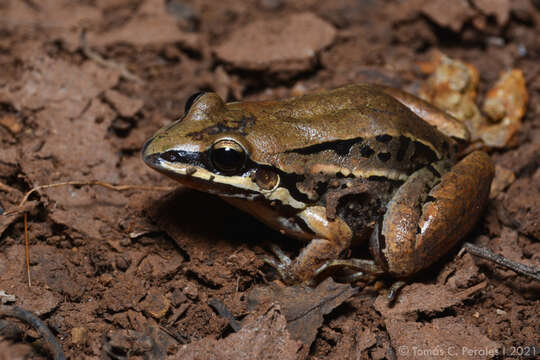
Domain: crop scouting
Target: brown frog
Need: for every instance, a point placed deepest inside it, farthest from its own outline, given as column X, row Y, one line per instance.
column 358, row 163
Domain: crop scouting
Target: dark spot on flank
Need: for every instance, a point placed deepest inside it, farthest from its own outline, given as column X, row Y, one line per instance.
column 342, row 148
column 403, row 146
column 377, row 178
column 383, row 138
column 366, row 151
column 423, row 154
column 384, row 156
column 433, row 171
column 445, row 146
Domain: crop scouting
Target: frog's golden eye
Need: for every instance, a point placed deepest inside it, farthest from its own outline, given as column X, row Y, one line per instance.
column 228, row 156
column 192, row 99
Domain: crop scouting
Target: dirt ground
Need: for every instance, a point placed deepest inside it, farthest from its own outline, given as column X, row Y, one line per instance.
column 179, row 274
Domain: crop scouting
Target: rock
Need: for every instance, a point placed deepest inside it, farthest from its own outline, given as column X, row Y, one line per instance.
column 79, row 335
column 283, row 44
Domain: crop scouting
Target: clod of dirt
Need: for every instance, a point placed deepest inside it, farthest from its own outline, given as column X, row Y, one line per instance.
column 423, row 298
column 303, row 306
column 123, row 295
column 263, row 336
column 155, row 304
column 10, row 351
column 354, row 342
column 462, row 273
column 283, row 44
column 503, row 178
column 152, row 25
column 12, row 123
column 444, row 338
column 523, row 161
column 499, row 8
column 452, row 17
column 505, row 105
column 153, row 343
column 124, row 105
column 79, row 335
column 520, row 204
column 452, row 87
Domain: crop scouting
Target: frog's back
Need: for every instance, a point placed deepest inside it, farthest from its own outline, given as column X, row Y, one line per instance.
column 356, row 130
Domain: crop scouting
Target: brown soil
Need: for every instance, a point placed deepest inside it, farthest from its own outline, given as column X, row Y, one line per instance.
column 153, row 274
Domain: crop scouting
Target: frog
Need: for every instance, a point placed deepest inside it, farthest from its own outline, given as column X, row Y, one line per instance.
column 362, row 164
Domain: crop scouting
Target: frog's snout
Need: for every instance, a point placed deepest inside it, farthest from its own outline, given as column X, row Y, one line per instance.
column 150, row 157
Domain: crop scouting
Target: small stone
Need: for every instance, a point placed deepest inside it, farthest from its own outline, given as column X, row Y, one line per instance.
column 191, row 291
column 178, row 297
column 503, row 178
column 106, row 279
column 476, row 315
column 11, row 123
column 500, row 312
column 124, row 105
column 155, row 304
column 122, row 262
column 79, row 335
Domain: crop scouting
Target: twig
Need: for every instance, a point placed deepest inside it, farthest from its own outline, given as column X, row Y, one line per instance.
column 28, row 317
column 92, row 55
column 90, row 183
column 519, row 268
column 27, row 248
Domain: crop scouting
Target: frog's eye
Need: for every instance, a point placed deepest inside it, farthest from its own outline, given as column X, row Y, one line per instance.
column 228, row 156
column 192, row 99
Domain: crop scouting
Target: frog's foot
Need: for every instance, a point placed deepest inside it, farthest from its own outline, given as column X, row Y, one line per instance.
column 394, row 290
column 302, row 269
column 365, row 269
column 282, row 265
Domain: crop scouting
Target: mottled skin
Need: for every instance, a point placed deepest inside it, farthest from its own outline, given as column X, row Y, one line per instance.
column 354, row 163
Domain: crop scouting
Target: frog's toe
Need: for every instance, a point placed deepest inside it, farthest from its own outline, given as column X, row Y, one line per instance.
column 283, row 265
column 362, row 266
column 285, row 260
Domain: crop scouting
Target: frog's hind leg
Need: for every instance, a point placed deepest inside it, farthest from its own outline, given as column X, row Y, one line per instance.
column 427, row 216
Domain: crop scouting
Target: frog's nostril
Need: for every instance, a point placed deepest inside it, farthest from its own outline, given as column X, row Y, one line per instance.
column 152, row 160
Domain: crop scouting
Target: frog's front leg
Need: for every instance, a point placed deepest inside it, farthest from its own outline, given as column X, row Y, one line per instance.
column 331, row 238
column 423, row 222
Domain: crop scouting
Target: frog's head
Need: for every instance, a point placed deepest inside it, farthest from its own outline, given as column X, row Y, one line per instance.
column 207, row 149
